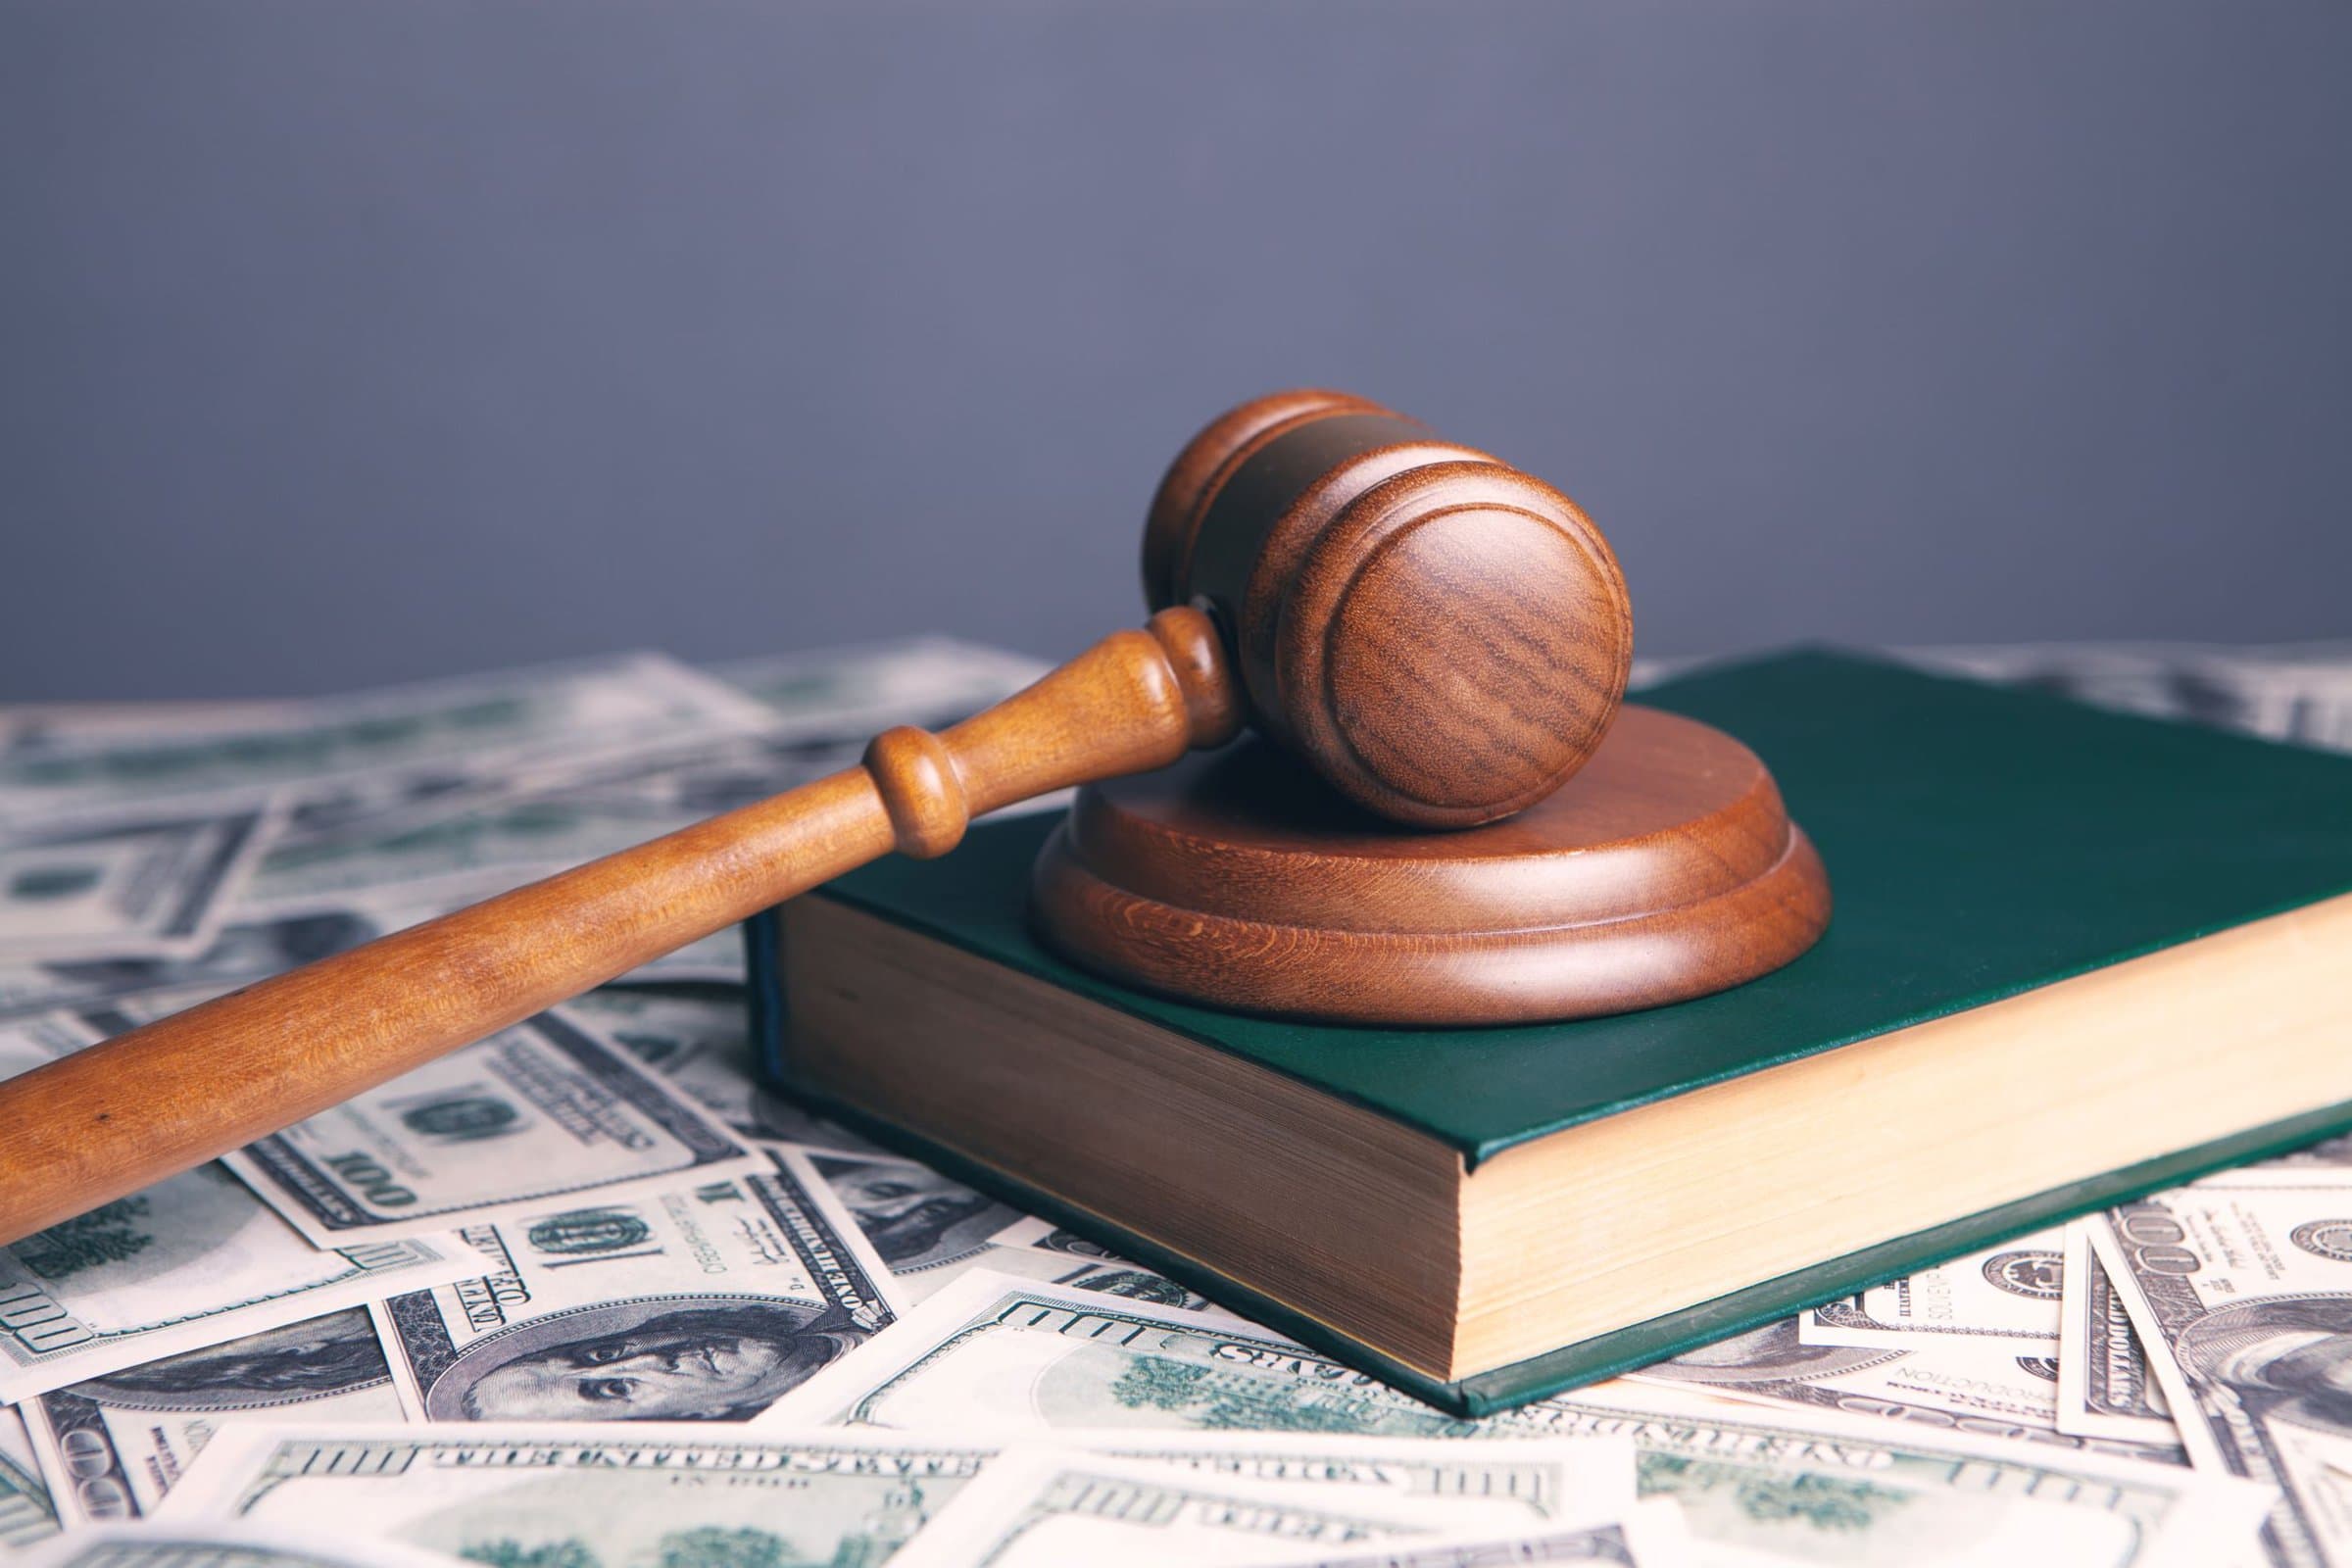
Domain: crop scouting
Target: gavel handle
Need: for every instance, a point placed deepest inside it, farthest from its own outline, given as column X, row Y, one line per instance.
column 119, row 1117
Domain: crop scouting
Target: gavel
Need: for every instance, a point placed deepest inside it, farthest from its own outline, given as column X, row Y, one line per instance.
column 1441, row 638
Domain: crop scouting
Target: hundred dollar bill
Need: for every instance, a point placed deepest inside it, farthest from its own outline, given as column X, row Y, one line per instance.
column 1648, row 1535
column 36, row 1041
column 1828, row 1487
column 241, row 952
column 2104, row 1386
column 1035, row 1248
column 534, row 835
column 117, row 1444
column 27, row 1512
column 151, row 887
column 847, row 689
column 1530, row 1479
column 1035, row 1229
column 1034, row 1361
column 1044, row 1508
column 544, row 823
column 199, row 1545
column 807, row 738
column 142, row 990
column 919, row 1221
column 385, row 738
column 186, row 1262
column 706, row 1300
column 586, row 1497
column 1985, row 1387
column 699, row 1040
column 533, row 826
column 509, row 843
column 930, row 1229
column 1127, row 1280
column 1024, row 1357
column 2007, row 1292
column 1111, row 1278
column 367, row 809
column 524, row 818
column 698, row 1037
column 544, row 1110
column 2243, row 1294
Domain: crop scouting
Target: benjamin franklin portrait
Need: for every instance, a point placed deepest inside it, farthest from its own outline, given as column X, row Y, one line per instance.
column 312, row 1360
column 2285, row 1358
column 915, row 1218
column 653, row 1359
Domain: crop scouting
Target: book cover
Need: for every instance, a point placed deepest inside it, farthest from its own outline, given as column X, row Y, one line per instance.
column 1981, row 840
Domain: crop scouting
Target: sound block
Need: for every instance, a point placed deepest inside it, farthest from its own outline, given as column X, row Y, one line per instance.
column 1666, row 869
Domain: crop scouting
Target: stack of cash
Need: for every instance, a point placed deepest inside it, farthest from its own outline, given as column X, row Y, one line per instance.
column 582, row 1296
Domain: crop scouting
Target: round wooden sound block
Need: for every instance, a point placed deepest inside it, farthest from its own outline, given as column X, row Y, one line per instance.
column 1666, row 869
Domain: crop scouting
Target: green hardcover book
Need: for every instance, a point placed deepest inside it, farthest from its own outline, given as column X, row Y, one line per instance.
column 2075, row 955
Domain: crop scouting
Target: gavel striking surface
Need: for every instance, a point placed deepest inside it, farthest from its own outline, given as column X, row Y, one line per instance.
column 1666, row 869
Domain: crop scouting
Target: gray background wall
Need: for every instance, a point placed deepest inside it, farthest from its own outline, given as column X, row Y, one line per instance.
column 360, row 341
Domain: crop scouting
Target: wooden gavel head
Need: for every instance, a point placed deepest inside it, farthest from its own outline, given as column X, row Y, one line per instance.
column 1443, row 637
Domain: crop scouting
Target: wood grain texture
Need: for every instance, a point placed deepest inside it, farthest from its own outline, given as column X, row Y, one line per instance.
column 1207, row 461
column 1445, row 638
column 160, row 1100
column 1666, row 869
